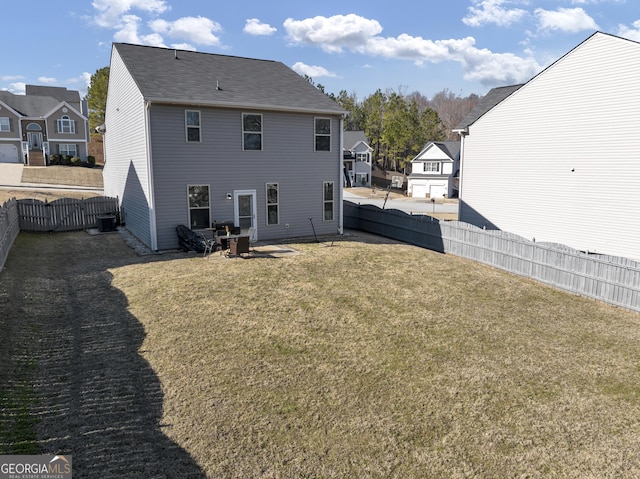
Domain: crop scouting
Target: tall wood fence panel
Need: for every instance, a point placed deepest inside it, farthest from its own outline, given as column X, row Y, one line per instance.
column 65, row 214
column 9, row 228
column 611, row 279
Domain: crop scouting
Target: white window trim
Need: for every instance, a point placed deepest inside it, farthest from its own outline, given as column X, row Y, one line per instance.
column 66, row 120
column 189, row 208
column 316, row 134
column 187, row 127
column 332, row 200
column 67, row 145
column 261, row 132
column 437, row 170
column 276, row 204
column 7, row 123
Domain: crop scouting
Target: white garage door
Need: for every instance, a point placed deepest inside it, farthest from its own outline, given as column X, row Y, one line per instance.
column 437, row 191
column 419, row 190
column 8, row 154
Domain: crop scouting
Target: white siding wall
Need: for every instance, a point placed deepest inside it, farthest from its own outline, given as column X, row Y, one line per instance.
column 559, row 160
column 125, row 172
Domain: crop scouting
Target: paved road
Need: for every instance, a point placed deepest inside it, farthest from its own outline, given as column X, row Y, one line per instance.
column 418, row 206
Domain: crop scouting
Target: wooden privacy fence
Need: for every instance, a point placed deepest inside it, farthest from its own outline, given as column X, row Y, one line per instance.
column 611, row 279
column 9, row 228
column 65, row 214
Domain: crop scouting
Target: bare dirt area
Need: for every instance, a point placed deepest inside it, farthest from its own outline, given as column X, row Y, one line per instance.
column 43, row 194
column 64, row 175
column 427, row 365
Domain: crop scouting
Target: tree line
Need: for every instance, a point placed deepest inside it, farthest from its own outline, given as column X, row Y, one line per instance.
column 397, row 124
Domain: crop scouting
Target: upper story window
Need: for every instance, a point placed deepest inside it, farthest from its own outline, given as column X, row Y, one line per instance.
column 4, row 124
column 192, row 125
column 251, row 131
column 66, row 125
column 432, row 167
column 362, row 157
column 323, row 134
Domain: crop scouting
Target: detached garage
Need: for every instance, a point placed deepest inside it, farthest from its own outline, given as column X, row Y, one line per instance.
column 9, row 154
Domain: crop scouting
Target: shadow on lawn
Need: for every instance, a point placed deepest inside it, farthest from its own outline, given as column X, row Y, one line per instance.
column 95, row 397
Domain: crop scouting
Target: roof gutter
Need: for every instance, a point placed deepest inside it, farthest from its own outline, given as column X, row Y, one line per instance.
column 254, row 106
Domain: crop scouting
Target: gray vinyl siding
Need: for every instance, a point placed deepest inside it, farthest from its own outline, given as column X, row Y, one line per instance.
column 126, row 172
column 558, row 160
column 287, row 158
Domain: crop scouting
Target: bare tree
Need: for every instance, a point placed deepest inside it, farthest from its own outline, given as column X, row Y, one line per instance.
column 452, row 109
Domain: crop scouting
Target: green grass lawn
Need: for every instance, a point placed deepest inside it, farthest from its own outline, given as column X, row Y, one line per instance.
column 369, row 358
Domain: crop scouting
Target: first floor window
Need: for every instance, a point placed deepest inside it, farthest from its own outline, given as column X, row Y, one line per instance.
column 251, row 131
column 432, row 167
column 192, row 122
column 272, row 204
column 328, row 201
column 69, row 150
column 198, row 196
column 4, row 124
column 323, row 134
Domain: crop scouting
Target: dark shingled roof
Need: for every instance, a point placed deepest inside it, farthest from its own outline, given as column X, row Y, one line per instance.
column 28, row 105
column 452, row 148
column 350, row 138
column 486, row 103
column 57, row 92
column 194, row 78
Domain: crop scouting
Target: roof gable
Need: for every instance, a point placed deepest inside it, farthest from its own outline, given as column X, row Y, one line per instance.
column 445, row 150
column 194, row 78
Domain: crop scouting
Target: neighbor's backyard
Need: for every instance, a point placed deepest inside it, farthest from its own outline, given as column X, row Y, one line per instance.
column 367, row 358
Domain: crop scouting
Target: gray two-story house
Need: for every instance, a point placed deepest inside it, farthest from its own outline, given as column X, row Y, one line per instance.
column 196, row 138
column 44, row 121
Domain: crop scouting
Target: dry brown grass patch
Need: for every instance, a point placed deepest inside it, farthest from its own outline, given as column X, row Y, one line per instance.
column 372, row 358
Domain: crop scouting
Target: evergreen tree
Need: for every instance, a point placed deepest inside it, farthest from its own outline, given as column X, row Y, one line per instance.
column 97, row 97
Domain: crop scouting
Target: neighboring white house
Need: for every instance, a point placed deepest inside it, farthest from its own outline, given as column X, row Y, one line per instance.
column 434, row 171
column 356, row 159
column 558, row 159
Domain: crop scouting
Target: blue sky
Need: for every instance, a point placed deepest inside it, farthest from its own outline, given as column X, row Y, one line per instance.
column 466, row 46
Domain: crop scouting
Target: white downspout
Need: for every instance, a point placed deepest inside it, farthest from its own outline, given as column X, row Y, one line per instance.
column 340, row 176
column 153, row 228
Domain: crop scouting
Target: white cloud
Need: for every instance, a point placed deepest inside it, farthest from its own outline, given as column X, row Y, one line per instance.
column 256, row 27
column 110, row 12
column 362, row 36
column 11, row 77
column 565, row 19
column 311, row 71
column 47, row 80
column 630, row 33
column 128, row 33
column 333, row 34
column 199, row 30
column 18, row 88
column 491, row 11
column 183, row 46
